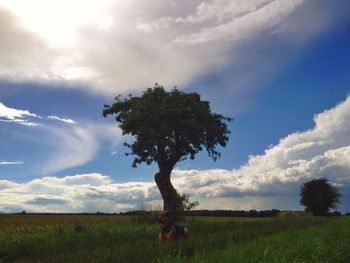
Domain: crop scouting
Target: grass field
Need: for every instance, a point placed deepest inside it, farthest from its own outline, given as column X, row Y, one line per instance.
column 106, row 238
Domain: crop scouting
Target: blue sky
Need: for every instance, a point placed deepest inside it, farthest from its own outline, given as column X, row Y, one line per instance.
column 279, row 68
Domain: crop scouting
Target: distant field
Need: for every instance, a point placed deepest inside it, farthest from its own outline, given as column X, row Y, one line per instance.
column 107, row 238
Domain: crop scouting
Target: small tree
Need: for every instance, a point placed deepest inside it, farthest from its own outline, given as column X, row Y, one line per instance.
column 168, row 128
column 183, row 203
column 318, row 195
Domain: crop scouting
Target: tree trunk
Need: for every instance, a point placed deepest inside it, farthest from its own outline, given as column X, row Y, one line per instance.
column 167, row 191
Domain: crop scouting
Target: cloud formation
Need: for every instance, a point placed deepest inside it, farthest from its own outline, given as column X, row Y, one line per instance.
column 71, row 143
column 233, row 21
column 78, row 144
column 121, row 46
column 69, row 121
column 24, row 55
column 72, row 146
column 22, row 117
column 82, row 192
column 323, row 151
column 10, row 162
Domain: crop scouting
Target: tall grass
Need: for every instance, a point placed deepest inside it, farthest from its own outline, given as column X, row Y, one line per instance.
column 122, row 239
column 328, row 242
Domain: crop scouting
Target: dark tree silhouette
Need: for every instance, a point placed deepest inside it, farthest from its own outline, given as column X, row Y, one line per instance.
column 168, row 127
column 318, row 195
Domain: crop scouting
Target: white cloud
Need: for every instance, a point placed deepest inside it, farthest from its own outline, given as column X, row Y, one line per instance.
column 10, row 162
column 234, row 21
column 71, row 145
column 5, row 184
column 8, row 114
column 22, row 122
column 321, row 151
column 24, row 55
column 69, row 121
column 120, row 46
column 24, row 117
column 76, row 145
column 79, row 193
column 12, row 114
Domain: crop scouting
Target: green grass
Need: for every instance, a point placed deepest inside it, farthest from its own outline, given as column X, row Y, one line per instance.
column 328, row 242
column 70, row 238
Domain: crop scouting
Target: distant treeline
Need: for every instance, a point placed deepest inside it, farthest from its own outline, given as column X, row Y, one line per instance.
column 214, row 213
column 219, row 213
column 234, row 213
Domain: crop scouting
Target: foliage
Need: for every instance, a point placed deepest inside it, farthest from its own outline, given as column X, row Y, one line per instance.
column 168, row 126
column 318, row 195
column 183, row 203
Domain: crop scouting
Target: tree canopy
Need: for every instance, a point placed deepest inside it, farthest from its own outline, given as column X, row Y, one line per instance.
column 169, row 126
column 318, row 195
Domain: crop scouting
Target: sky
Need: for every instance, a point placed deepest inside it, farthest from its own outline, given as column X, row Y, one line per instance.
column 279, row 68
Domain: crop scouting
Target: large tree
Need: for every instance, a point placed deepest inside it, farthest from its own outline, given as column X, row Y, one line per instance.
column 168, row 127
column 318, row 195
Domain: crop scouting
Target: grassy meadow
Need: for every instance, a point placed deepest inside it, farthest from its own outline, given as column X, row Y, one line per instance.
column 113, row 238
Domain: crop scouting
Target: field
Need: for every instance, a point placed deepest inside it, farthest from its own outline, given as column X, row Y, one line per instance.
column 107, row 238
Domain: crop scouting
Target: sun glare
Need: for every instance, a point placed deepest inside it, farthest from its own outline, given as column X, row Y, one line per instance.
column 58, row 21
